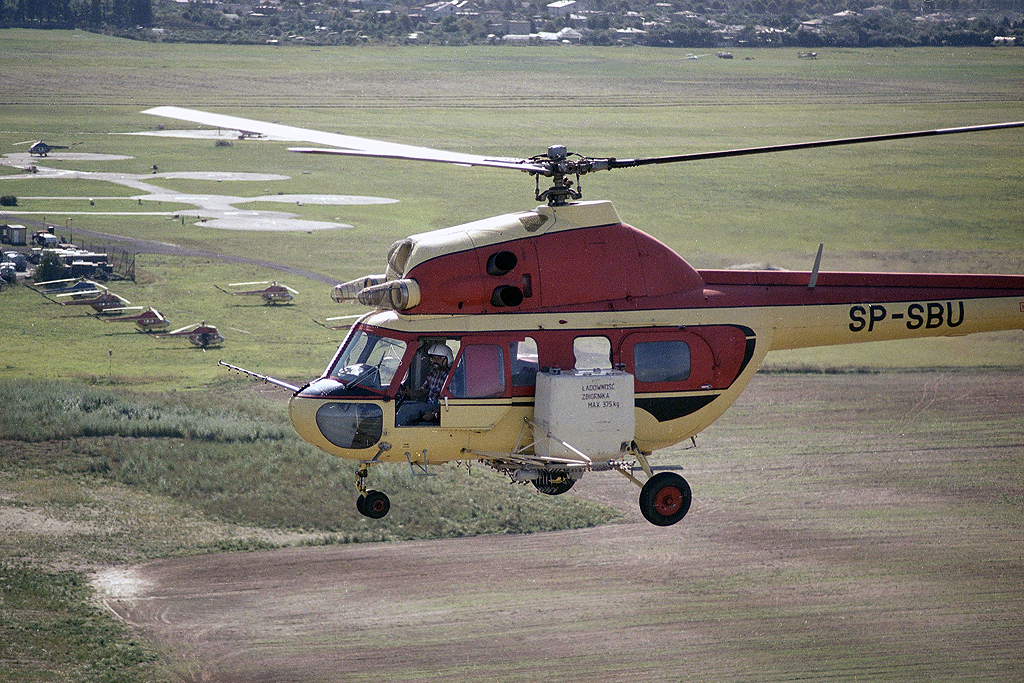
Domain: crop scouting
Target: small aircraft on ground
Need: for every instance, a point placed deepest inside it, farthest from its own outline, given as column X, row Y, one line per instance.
column 149, row 320
column 558, row 340
column 200, row 335
column 42, row 149
column 78, row 285
column 273, row 292
column 101, row 301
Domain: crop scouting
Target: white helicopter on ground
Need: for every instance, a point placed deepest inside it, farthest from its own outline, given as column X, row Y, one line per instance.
column 272, row 293
column 559, row 340
column 41, row 149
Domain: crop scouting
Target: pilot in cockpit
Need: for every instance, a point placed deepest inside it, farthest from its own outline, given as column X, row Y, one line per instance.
column 421, row 405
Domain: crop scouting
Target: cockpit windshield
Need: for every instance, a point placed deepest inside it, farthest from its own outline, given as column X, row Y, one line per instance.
column 368, row 360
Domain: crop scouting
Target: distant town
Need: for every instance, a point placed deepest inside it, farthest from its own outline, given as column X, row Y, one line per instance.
column 700, row 25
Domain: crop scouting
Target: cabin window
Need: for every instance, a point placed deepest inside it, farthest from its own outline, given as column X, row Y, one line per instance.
column 368, row 360
column 592, row 353
column 480, row 372
column 661, row 361
column 523, row 358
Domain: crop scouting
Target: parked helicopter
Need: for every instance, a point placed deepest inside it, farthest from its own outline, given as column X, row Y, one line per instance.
column 101, row 301
column 149, row 320
column 42, row 149
column 559, row 340
column 78, row 285
column 273, row 292
column 200, row 335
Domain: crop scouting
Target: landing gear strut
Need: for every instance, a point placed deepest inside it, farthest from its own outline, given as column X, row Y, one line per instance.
column 370, row 503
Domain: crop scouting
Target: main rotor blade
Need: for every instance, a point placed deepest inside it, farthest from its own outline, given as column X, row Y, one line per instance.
column 348, row 144
column 466, row 159
column 697, row 156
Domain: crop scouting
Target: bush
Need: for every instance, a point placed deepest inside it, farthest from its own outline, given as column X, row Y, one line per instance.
column 8, row 200
column 50, row 268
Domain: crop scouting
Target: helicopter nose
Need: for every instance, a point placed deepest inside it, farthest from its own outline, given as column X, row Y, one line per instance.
column 336, row 426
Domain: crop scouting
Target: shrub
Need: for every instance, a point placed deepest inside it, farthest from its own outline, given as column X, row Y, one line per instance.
column 50, row 268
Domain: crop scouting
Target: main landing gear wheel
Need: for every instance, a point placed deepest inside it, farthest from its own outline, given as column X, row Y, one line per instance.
column 375, row 504
column 665, row 499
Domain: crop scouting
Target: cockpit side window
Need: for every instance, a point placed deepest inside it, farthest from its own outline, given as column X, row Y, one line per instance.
column 420, row 366
column 368, row 360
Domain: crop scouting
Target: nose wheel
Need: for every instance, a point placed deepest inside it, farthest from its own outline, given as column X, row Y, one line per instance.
column 374, row 504
column 370, row 503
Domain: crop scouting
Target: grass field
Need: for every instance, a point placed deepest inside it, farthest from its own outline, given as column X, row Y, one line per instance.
column 948, row 205
column 951, row 204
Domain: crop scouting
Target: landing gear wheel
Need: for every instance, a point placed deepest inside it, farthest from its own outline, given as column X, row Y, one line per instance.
column 665, row 499
column 375, row 504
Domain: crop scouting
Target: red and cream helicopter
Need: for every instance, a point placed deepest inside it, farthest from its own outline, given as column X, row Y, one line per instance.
column 149, row 320
column 273, row 293
column 103, row 301
column 200, row 335
column 546, row 366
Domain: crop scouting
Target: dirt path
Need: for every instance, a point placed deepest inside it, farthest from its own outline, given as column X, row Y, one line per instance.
column 860, row 527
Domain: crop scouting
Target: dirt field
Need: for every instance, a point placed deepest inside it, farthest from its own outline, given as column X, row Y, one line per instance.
column 844, row 527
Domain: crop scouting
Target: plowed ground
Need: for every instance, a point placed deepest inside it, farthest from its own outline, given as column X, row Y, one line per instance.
column 845, row 527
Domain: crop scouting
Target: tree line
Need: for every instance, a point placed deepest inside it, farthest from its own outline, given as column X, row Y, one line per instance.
column 85, row 14
column 696, row 24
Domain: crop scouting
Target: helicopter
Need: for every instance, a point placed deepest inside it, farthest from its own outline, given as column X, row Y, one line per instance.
column 79, row 285
column 200, row 335
column 149, row 320
column 273, row 292
column 42, row 149
column 559, row 340
column 101, row 301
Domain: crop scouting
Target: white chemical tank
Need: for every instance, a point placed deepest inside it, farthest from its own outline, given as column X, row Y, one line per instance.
column 591, row 410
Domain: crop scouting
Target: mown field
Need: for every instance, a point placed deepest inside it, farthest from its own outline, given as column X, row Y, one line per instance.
column 175, row 457
column 948, row 204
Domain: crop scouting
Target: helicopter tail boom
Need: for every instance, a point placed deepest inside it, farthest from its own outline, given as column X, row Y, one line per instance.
column 847, row 308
